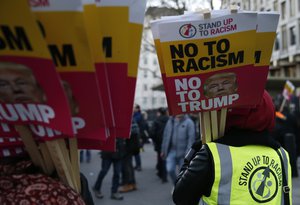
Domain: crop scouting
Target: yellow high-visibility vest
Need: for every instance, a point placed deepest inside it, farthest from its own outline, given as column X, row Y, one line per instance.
column 250, row 174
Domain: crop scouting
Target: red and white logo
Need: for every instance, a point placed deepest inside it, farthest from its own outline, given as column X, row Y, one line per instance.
column 39, row 3
column 187, row 31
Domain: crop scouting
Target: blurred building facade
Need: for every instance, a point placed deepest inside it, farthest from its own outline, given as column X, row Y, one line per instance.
column 148, row 77
column 149, row 93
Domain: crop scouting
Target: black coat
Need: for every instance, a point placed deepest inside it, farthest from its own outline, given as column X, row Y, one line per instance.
column 132, row 146
column 157, row 131
column 118, row 154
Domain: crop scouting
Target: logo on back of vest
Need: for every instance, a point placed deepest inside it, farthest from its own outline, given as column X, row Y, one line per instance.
column 263, row 184
column 262, row 176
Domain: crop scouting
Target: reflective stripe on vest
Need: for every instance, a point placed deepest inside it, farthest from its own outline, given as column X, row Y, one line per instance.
column 256, row 177
column 287, row 173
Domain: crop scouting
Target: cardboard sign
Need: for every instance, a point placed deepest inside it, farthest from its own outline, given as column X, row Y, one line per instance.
column 96, row 39
column 40, row 133
column 12, row 152
column 114, row 27
column 31, row 91
column 6, row 142
column 136, row 21
column 121, row 27
column 209, row 62
column 155, row 34
column 265, row 35
column 65, row 34
column 108, row 145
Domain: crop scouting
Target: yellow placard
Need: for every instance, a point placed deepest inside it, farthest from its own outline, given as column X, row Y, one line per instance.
column 20, row 38
column 135, row 45
column 264, row 47
column 159, row 55
column 114, row 25
column 67, row 40
column 93, row 32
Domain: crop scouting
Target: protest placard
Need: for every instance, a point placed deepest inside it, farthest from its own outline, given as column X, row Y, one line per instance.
column 96, row 39
column 25, row 54
column 12, row 152
column 201, row 56
column 207, row 61
column 115, row 27
column 288, row 90
column 287, row 93
column 67, row 41
column 265, row 35
column 12, row 141
column 69, row 46
column 31, row 91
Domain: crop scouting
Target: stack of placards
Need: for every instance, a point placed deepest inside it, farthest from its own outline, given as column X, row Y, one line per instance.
column 63, row 70
column 214, row 60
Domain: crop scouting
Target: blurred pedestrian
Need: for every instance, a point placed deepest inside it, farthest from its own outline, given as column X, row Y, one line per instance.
column 178, row 137
column 196, row 120
column 285, row 133
column 131, row 147
column 144, row 128
column 156, row 134
column 138, row 118
column 85, row 155
column 108, row 159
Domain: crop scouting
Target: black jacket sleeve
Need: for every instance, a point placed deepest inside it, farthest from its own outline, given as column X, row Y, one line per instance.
column 195, row 179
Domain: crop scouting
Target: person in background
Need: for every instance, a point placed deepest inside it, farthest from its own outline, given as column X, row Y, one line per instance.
column 245, row 166
column 144, row 128
column 109, row 158
column 144, row 138
column 140, row 118
column 196, row 120
column 178, row 137
column 285, row 133
column 132, row 145
column 137, row 114
column 85, row 154
column 156, row 134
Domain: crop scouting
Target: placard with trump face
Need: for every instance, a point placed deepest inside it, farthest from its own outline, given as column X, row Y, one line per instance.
column 210, row 63
column 30, row 88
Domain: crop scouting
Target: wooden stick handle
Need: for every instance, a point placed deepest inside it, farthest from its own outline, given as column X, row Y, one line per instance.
column 73, row 147
column 47, row 158
column 202, row 131
column 60, row 164
column 67, row 159
column 282, row 105
column 31, row 146
column 214, row 124
column 205, row 127
column 222, row 122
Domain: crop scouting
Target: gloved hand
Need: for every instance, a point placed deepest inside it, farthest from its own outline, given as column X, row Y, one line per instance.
column 194, row 149
column 197, row 145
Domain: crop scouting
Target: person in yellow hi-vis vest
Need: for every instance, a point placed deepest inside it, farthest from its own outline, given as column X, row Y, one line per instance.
column 246, row 166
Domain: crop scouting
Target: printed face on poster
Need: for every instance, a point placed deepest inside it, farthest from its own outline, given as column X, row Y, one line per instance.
column 19, row 85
